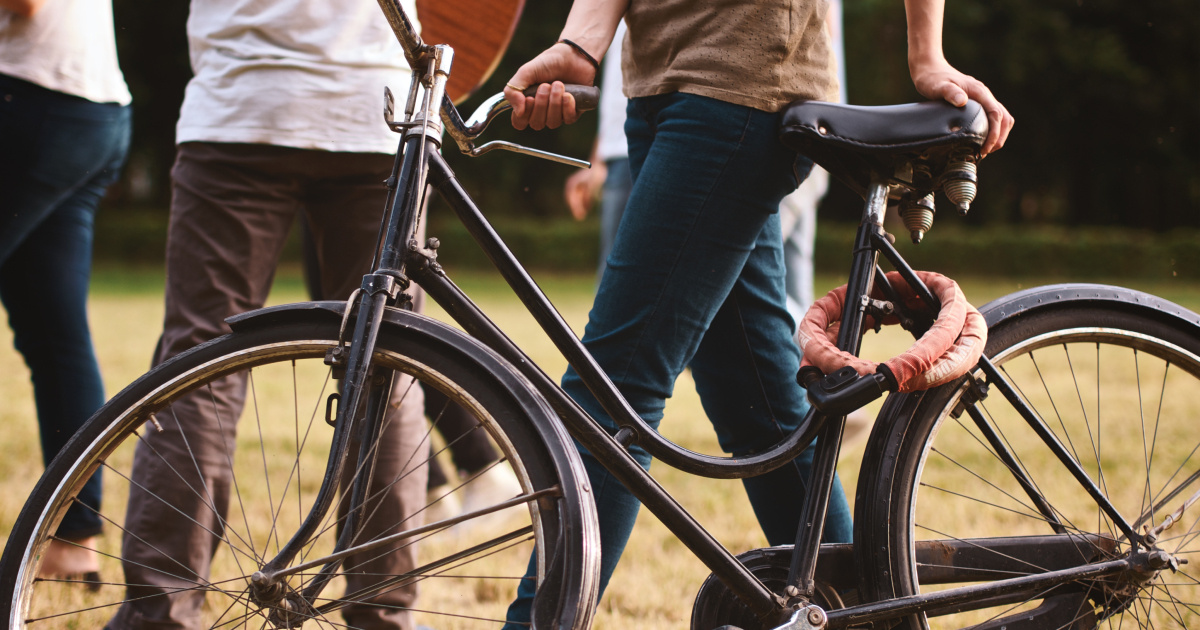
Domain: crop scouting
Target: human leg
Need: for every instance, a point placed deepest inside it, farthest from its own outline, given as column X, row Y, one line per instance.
column 613, row 197
column 396, row 494
column 470, row 449
column 448, row 419
column 707, row 177
column 43, row 285
column 482, row 480
column 799, row 213
column 691, row 234
column 55, row 145
column 230, row 212
column 61, row 153
column 745, row 371
column 798, row 218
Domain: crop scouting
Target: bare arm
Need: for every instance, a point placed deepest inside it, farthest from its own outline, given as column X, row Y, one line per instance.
column 591, row 24
column 23, row 8
column 583, row 186
column 934, row 77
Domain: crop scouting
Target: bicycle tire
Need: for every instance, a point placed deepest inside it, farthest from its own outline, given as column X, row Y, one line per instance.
column 1112, row 373
column 466, row 578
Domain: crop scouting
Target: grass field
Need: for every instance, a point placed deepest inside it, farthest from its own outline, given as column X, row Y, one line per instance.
column 655, row 585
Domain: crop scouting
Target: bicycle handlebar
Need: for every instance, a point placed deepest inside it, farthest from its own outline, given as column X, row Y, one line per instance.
column 586, row 98
column 418, row 55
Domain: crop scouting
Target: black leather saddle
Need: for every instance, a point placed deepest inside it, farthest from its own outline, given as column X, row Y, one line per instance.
column 856, row 143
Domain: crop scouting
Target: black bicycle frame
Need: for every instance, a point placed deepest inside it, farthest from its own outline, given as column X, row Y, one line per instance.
column 611, row 450
column 421, row 167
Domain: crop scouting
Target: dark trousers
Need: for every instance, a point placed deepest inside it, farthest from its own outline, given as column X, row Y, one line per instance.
column 231, row 210
column 470, row 448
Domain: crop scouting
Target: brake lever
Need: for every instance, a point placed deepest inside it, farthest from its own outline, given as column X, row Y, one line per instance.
column 464, row 133
column 516, row 148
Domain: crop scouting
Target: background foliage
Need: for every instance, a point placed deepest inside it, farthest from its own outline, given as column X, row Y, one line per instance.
column 1106, row 94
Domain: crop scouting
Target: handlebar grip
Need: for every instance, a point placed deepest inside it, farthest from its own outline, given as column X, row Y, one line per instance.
column 587, row 97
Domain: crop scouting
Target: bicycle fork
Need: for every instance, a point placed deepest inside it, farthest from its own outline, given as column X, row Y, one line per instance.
column 361, row 404
column 361, row 408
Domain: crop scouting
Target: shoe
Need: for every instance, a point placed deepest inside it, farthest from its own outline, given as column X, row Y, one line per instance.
column 443, row 503
column 490, row 487
column 494, row 485
column 73, row 561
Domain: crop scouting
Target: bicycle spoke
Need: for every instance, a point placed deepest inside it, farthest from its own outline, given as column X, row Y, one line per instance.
column 262, row 450
column 205, row 497
column 1023, row 469
column 193, row 508
column 1093, row 436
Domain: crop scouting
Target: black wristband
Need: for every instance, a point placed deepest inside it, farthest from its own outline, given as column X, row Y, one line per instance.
column 579, row 49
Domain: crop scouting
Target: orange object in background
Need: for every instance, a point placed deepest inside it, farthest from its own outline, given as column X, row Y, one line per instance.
column 478, row 30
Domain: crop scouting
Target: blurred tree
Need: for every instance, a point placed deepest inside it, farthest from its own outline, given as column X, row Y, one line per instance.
column 1106, row 94
column 152, row 44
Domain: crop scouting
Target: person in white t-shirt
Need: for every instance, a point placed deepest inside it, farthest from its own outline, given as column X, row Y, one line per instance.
column 280, row 122
column 64, row 135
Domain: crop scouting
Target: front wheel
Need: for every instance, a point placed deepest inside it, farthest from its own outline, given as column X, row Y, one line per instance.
column 965, row 495
column 192, row 508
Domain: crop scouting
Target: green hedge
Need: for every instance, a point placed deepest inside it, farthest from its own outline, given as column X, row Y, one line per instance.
column 130, row 235
column 1087, row 253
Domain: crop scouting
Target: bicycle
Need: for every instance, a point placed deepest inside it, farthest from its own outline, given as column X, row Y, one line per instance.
column 1041, row 542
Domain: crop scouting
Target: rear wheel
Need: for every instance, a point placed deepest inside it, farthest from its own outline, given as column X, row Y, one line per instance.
column 1120, row 390
column 462, row 576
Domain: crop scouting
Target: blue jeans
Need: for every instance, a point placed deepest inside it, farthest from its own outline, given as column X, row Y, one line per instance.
column 696, row 279
column 60, row 155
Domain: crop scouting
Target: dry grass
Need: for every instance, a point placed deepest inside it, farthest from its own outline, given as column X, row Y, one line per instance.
column 655, row 584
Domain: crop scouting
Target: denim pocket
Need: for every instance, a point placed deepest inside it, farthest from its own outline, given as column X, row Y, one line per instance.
column 801, row 168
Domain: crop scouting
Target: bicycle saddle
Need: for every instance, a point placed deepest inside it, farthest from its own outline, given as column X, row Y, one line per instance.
column 855, row 143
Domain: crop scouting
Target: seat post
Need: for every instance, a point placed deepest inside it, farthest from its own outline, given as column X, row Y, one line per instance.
column 862, row 266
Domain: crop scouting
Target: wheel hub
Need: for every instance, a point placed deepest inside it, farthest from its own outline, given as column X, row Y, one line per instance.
column 1121, row 593
column 286, row 608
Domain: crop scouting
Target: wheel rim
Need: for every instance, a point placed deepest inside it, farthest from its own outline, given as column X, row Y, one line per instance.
column 1121, row 403
column 282, row 440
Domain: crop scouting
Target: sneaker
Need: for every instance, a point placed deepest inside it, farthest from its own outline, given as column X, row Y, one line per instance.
column 76, row 561
column 442, row 503
column 494, row 485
